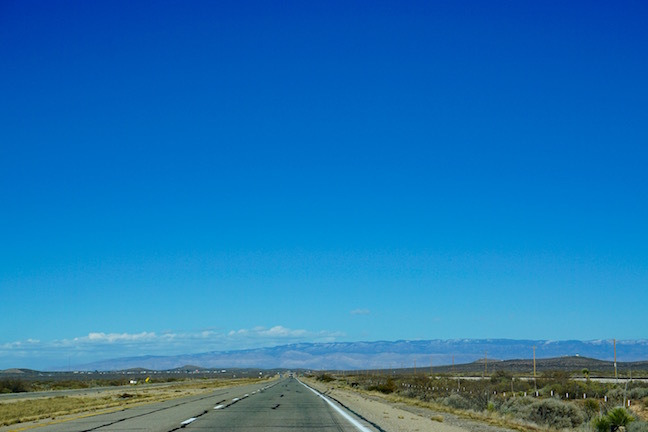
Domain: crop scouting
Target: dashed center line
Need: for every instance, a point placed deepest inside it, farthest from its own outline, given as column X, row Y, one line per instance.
column 186, row 422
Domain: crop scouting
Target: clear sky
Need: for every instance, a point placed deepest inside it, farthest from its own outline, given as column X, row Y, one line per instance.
column 188, row 176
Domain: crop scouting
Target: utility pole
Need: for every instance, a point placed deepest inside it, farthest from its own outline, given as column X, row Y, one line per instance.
column 485, row 363
column 616, row 376
column 535, row 385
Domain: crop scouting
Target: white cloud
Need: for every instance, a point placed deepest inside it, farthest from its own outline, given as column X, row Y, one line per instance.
column 19, row 344
column 279, row 331
column 118, row 337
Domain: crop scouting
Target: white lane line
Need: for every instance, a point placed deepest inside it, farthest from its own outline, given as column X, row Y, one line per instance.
column 219, row 407
column 344, row 414
column 235, row 399
column 186, row 422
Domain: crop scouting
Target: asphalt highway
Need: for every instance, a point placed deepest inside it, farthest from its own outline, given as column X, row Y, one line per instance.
column 285, row 405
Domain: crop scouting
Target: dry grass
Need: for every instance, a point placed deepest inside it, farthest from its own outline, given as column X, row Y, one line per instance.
column 27, row 410
column 641, row 409
column 491, row 418
column 36, row 409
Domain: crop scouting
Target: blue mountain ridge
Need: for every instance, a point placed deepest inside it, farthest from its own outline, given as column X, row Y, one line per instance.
column 383, row 354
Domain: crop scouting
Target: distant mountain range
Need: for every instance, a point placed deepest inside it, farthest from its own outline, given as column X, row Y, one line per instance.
column 383, row 354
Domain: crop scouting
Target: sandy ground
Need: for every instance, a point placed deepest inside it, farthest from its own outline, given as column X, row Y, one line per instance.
column 400, row 417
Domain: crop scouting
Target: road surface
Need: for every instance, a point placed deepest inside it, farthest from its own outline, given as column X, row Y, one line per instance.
column 285, row 405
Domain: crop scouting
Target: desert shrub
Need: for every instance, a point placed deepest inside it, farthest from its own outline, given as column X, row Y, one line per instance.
column 555, row 413
column 597, row 386
column 592, row 407
column 410, row 393
column 517, row 407
column 615, row 395
column 553, row 377
column 325, row 378
column 475, row 402
column 501, row 375
column 387, row 387
column 518, row 386
column 501, row 379
column 456, row 401
column 13, row 386
column 415, row 389
column 575, row 389
column 637, row 426
column 480, row 401
column 638, row 393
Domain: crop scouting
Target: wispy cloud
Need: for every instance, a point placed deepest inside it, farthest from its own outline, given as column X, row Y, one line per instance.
column 101, row 345
column 360, row 312
column 276, row 331
column 262, row 336
column 117, row 337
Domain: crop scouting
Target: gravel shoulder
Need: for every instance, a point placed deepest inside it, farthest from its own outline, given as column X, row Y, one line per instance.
column 400, row 417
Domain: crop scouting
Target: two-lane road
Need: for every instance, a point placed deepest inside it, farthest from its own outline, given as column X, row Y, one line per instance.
column 286, row 405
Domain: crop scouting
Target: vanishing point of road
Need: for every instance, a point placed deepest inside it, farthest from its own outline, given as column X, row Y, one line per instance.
column 286, row 405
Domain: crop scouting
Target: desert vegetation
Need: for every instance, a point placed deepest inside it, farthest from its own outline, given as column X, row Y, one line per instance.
column 14, row 386
column 556, row 400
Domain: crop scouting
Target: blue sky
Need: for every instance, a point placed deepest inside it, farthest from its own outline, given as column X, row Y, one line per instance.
column 180, row 177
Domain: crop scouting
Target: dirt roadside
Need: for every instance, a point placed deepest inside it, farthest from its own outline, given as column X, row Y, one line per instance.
column 397, row 417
